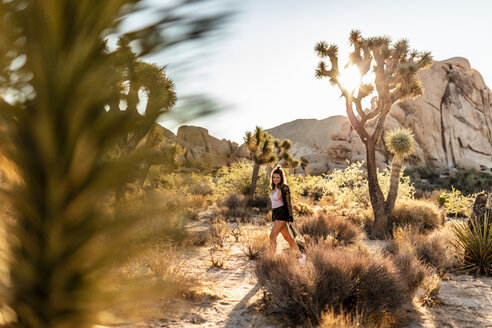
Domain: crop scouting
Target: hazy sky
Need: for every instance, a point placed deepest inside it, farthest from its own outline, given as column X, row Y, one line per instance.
column 262, row 71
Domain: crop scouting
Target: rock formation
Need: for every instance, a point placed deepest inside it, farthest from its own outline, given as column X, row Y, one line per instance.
column 452, row 123
column 200, row 149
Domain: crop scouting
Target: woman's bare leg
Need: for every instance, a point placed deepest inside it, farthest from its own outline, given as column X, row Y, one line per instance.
column 292, row 243
column 277, row 227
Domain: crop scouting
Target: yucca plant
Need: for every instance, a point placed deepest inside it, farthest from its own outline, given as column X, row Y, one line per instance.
column 476, row 243
column 59, row 122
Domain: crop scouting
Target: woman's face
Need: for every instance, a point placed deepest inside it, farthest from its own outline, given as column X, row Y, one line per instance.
column 276, row 178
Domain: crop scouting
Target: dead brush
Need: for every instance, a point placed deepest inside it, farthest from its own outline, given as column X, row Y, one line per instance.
column 166, row 263
column 255, row 242
column 235, row 207
column 435, row 249
column 302, row 209
column 348, row 277
column 429, row 293
column 422, row 214
column 217, row 257
column 413, row 271
column 343, row 319
column 198, row 238
column 323, row 226
column 219, row 232
column 236, row 232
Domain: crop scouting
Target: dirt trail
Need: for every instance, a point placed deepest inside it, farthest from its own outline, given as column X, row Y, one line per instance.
column 236, row 293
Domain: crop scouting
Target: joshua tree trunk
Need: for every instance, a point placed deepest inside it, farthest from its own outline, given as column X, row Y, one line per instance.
column 252, row 190
column 396, row 166
column 376, row 195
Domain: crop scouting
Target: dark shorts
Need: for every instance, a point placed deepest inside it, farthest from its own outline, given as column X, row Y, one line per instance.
column 281, row 214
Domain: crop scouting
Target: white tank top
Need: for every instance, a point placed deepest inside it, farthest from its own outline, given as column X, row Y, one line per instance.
column 274, row 197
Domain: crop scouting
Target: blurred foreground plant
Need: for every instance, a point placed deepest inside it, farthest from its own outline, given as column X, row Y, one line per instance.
column 60, row 117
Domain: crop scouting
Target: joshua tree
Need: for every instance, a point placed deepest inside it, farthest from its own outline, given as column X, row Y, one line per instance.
column 281, row 148
column 395, row 70
column 260, row 147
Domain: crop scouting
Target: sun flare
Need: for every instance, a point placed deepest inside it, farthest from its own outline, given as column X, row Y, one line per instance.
column 350, row 78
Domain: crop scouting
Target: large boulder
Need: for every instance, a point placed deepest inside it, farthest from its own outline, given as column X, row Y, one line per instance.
column 452, row 124
column 204, row 150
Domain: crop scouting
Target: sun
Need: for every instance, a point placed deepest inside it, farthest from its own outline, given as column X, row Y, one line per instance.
column 350, row 78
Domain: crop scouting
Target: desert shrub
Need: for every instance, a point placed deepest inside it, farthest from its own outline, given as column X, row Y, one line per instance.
column 219, row 232
column 313, row 187
column 415, row 273
column 184, row 183
column 322, row 226
column 457, row 204
column 236, row 231
column 350, row 278
column 349, row 187
column 235, row 207
column 255, row 242
column 261, row 202
column 302, row 209
column 361, row 217
column 468, row 181
column 236, row 179
column 198, row 238
column 217, row 257
column 432, row 196
column 476, row 244
column 341, row 319
column 435, row 249
column 421, row 214
column 202, row 186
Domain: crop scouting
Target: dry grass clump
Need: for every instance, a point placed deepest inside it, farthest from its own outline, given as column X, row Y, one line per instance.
column 341, row 319
column 302, row 209
column 438, row 250
column 198, row 238
column 217, row 257
column 219, row 232
column 323, row 226
column 235, row 207
column 236, row 231
column 418, row 276
column 344, row 277
column 158, row 273
column 255, row 242
column 422, row 214
column 435, row 249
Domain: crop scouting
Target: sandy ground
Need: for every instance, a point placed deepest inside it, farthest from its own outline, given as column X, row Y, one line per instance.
column 466, row 302
column 229, row 296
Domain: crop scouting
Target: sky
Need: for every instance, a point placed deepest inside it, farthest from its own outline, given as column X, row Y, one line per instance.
column 261, row 72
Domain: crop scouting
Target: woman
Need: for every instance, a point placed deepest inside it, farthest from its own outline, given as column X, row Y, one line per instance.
column 281, row 212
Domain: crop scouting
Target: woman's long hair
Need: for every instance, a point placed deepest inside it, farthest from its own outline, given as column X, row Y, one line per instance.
column 278, row 170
